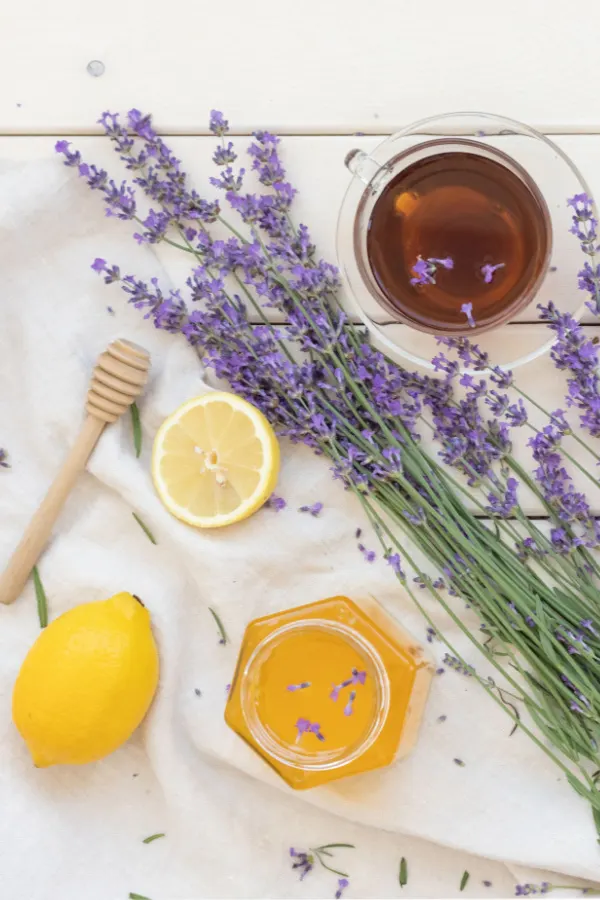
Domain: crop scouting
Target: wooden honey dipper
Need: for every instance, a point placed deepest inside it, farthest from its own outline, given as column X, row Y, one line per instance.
column 118, row 378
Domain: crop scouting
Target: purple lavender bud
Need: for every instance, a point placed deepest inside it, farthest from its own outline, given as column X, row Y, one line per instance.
column 488, row 271
column 467, row 309
column 316, row 730
column 298, row 687
column 341, row 886
column 218, row 124
column 276, row 503
column 349, row 704
column 424, row 269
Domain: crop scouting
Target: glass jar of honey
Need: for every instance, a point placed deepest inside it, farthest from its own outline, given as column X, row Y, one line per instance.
column 328, row 689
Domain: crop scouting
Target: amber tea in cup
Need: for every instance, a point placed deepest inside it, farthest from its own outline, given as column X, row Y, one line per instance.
column 458, row 241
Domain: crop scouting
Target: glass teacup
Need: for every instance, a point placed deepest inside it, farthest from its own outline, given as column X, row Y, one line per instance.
column 459, row 225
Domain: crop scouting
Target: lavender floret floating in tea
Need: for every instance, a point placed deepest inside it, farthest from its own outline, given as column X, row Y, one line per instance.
column 488, row 271
column 364, row 414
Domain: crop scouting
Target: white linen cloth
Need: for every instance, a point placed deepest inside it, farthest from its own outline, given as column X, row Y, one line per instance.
column 229, row 821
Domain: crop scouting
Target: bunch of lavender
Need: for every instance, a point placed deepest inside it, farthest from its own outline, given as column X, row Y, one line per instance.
column 536, row 594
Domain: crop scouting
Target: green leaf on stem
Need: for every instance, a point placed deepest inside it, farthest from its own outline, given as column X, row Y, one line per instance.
column 331, row 846
column 224, row 639
column 144, row 528
column 137, row 428
column 40, row 596
column 403, row 874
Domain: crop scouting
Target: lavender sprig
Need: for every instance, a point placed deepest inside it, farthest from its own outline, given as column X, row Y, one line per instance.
column 304, row 860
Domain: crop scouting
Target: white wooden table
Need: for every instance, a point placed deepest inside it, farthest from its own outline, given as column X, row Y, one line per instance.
column 317, row 72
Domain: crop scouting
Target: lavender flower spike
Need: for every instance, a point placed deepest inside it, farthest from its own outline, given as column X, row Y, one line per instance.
column 218, row 123
column 488, row 271
column 305, row 726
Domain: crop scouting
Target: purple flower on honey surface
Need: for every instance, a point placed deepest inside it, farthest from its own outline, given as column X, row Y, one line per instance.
column 305, row 726
column 305, row 862
column 276, row 503
column 357, row 677
column 459, row 762
column 424, row 269
column 350, row 703
column 3, row 460
column 467, row 309
column 316, row 730
column 342, row 885
column 298, row 687
column 314, row 510
column 488, row 271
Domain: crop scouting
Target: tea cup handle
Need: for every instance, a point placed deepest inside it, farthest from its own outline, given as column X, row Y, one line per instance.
column 367, row 169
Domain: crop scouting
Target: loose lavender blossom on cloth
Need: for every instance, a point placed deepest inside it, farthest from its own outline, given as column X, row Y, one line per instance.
column 321, row 383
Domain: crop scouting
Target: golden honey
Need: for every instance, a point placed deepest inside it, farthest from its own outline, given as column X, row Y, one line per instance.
column 329, row 689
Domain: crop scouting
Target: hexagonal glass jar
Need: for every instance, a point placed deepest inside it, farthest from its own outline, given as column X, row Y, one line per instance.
column 329, row 689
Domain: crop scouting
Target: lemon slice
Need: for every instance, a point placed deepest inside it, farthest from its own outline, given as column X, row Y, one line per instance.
column 215, row 460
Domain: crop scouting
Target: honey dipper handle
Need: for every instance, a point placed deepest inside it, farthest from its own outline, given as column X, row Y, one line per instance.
column 39, row 529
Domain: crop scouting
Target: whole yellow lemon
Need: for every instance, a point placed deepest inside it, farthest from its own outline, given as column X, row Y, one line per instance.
column 87, row 682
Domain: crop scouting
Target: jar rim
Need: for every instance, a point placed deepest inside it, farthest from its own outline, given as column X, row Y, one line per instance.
column 322, row 759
